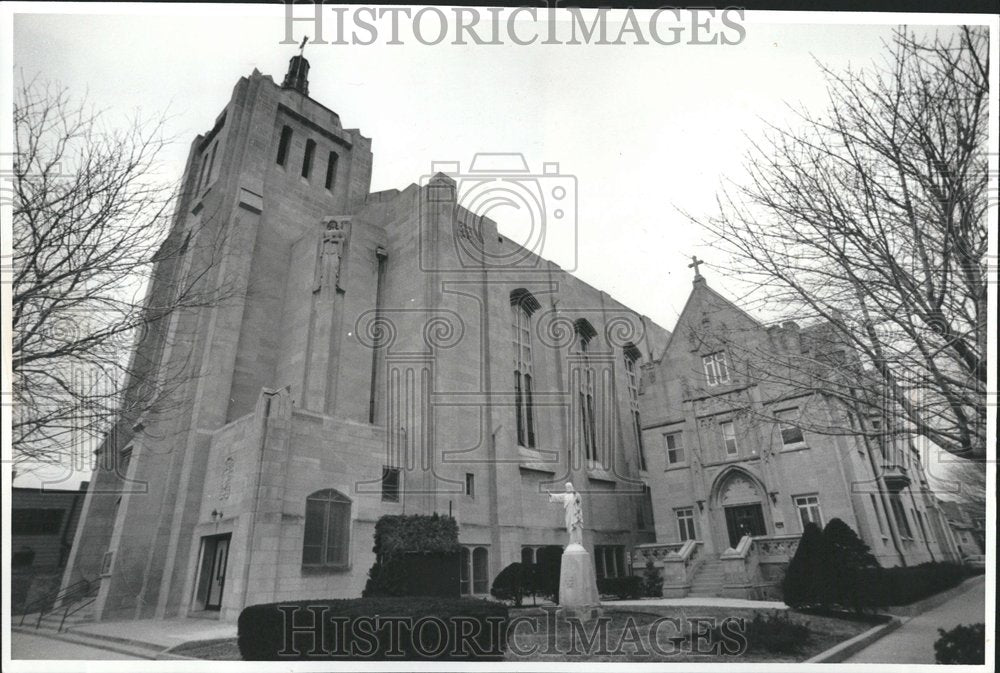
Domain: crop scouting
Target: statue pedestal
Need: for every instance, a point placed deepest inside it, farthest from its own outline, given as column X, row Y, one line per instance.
column 578, row 584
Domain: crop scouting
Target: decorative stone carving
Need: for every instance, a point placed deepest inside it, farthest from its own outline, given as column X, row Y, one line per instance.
column 331, row 251
column 739, row 489
column 227, row 478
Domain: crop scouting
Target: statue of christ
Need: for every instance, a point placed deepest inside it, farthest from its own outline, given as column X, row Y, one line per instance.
column 574, row 512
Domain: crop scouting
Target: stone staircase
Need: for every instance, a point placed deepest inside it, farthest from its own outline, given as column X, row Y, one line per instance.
column 708, row 579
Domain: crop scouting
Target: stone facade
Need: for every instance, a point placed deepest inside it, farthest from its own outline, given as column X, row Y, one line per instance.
column 390, row 352
column 363, row 360
column 723, row 470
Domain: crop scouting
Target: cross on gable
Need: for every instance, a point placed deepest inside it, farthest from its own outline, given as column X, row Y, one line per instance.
column 695, row 263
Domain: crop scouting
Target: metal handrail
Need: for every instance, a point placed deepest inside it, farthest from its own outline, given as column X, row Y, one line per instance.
column 76, row 590
column 76, row 609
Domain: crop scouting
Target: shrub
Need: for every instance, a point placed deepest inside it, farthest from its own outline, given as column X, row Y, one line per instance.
column 626, row 587
column 545, row 574
column 652, row 580
column 776, row 633
column 513, row 583
column 903, row 585
column 964, row 644
column 364, row 629
column 849, row 566
column 415, row 555
column 801, row 584
column 832, row 567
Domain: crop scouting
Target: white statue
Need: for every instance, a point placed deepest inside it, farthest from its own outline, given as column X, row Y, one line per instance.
column 574, row 512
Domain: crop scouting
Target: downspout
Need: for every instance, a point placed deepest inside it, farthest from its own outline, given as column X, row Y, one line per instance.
column 890, row 518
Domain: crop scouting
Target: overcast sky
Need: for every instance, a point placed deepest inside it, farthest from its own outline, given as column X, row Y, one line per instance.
column 646, row 130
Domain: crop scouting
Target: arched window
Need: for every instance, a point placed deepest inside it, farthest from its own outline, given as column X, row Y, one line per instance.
column 475, row 574
column 327, row 529
column 522, row 305
column 585, row 332
column 632, row 375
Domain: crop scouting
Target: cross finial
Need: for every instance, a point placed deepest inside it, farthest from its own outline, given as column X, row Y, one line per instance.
column 695, row 263
column 302, row 47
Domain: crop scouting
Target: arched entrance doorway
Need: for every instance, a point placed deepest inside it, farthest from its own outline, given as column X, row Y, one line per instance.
column 740, row 497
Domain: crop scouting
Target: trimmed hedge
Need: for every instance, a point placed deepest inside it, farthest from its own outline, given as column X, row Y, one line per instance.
column 415, row 555
column 430, row 534
column 623, row 588
column 374, row 629
column 903, row 585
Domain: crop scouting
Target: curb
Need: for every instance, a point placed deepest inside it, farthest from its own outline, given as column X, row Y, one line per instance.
column 859, row 642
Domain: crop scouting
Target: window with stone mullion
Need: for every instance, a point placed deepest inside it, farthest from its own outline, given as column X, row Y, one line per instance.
column 523, row 398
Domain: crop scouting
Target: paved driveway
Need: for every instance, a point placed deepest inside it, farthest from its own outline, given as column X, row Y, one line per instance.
column 913, row 642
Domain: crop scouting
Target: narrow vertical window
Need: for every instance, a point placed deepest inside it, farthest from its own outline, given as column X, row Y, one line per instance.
column 211, row 165
column 632, row 376
column 675, row 448
column 470, row 484
column 377, row 351
column 685, row 524
column 307, row 158
column 878, row 514
column 899, row 513
column 283, row 144
column 585, row 332
column 331, row 170
column 522, row 305
column 390, row 484
column 729, row 438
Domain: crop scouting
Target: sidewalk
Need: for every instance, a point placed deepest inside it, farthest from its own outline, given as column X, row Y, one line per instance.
column 913, row 642
column 161, row 633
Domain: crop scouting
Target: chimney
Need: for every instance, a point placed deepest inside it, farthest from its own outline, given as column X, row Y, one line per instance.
column 298, row 75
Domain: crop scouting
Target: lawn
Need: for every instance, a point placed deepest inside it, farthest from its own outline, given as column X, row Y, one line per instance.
column 628, row 631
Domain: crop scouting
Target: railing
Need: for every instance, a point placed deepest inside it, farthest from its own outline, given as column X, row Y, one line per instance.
column 752, row 568
column 677, row 562
column 62, row 599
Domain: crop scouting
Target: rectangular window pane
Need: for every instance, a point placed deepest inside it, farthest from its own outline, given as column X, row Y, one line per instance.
column 470, row 484
column 286, row 139
column 709, row 365
column 729, row 438
column 722, row 370
column 331, row 170
column 390, row 484
column 307, row 158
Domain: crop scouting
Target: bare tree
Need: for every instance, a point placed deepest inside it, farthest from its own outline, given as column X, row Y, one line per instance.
column 870, row 222
column 91, row 228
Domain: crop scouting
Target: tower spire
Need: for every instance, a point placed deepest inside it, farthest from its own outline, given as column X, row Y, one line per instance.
column 297, row 76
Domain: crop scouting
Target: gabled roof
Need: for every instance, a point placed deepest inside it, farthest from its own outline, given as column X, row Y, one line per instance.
column 700, row 294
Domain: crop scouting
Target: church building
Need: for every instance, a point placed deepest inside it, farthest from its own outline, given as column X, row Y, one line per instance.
column 748, row 450
column 391, row 353
column 376, row 353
